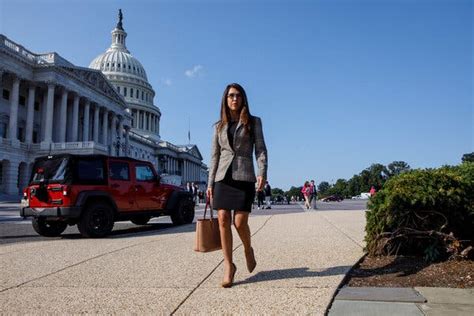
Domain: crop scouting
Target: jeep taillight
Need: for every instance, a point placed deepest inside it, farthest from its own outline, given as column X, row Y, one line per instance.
column 65, row 190
column 25, row 193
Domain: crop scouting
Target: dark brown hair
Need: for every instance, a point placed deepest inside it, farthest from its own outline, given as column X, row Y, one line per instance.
column 244, row 110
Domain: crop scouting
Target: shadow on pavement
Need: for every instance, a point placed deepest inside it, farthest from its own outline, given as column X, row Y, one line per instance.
column 129, row 232
column 158, row 228
column 294, row 274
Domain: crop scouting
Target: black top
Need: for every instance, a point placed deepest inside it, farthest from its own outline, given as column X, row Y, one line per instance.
column 231, row 132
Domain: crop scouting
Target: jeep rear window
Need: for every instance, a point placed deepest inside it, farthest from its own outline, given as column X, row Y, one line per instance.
column 50, row 170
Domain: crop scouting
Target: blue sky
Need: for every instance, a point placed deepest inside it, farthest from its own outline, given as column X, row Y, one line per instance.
column 338, row 84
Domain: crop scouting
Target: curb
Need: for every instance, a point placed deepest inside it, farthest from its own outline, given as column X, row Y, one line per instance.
column 343, row 281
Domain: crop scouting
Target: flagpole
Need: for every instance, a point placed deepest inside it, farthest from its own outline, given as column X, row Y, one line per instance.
column 189, row 130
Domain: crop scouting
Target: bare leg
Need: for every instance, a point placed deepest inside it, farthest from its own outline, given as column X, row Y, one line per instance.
column 225, row 230
column 241, row 223
column 242, row 226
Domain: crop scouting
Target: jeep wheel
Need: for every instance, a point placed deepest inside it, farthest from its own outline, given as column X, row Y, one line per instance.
column 97, row 220
column 140, row 220
column 184, row 214
column 48, row 228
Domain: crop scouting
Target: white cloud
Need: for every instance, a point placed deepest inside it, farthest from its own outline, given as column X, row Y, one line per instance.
column 194, row 72
column 167, row 82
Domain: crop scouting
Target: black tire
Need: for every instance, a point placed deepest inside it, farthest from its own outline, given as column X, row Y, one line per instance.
column 48, row 228
column 140, row 219
column 184, row 213
column 97, row 220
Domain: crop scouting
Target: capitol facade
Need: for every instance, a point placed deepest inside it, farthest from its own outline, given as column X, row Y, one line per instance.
column 50, row 106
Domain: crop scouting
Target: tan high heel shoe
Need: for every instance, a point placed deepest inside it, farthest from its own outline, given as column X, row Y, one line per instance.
column 229, row 283
column 251, row 262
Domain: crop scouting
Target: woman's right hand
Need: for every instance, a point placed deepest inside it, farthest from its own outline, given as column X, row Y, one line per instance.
column 209, row 193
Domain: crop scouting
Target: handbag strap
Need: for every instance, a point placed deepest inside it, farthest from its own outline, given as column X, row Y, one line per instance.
column 208, row 204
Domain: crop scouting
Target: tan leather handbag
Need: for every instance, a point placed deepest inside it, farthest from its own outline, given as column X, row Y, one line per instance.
column 208, row 237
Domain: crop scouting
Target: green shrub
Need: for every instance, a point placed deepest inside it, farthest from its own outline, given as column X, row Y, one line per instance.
column 423, row 212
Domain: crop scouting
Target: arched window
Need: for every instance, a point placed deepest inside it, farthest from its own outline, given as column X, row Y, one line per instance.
column 125, row 91
column 131, row 92
column 138, row 92
column 143, row 95
column 118, row 89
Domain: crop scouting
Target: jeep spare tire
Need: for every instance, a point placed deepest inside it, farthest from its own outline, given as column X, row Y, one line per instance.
column 48, row 228
column 184, row 213
column 97, row 220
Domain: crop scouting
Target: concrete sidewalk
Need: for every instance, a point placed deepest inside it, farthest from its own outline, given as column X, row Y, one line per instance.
column 302, row 259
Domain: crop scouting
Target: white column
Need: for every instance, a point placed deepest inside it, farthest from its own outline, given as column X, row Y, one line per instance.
column 114, row 133
column 85, row 132
column 48, row 132
column 127, row 141
column 105, row 126
column 75, row 117
column 186, row 170
column 96, row 123
column 120, row 133
column 13, row 124
column 152, row 122
column 63, row 117
column 148, row 118
column 30, row 114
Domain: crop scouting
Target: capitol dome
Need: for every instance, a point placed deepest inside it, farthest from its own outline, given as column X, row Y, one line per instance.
column 129, row 77
column 119, row 61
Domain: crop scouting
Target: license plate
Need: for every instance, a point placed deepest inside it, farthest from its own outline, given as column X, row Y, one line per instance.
column 25, row 203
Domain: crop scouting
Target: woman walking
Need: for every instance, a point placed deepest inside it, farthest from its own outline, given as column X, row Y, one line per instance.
column 306, row 190
column 231, row 184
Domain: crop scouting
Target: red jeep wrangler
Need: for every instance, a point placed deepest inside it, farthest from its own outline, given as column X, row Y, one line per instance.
column 94, row 191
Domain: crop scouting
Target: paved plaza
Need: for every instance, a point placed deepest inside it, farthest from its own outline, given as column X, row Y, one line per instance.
column 303, row 256
column 302, row 259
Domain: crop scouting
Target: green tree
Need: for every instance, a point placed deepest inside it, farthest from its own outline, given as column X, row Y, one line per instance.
column 378, row 174
column 323, row 188
column 277, row 191
column 340, row 187
column 353, row 186
column 397, row 167
column 294, row 191
column 468, row 157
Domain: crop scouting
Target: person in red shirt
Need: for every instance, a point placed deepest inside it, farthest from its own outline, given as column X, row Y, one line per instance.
column 372, row 191
column 306, row 190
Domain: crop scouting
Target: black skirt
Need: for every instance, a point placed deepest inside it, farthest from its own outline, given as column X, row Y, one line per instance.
column 230, row 194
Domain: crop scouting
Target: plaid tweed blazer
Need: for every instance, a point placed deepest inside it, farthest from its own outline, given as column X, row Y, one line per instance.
column 240, row 158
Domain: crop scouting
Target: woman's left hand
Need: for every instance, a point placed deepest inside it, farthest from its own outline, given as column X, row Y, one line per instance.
column 260, row 183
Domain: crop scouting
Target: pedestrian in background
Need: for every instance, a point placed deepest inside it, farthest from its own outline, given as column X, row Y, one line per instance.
column 314, row 195
column 268, row 195
column 260, row 199
column 231, row 184
column 306, row 191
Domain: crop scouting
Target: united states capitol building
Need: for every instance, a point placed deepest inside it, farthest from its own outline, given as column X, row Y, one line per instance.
column 50, row 106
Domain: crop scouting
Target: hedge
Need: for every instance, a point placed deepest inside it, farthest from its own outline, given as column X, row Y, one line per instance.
column 426, row 212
